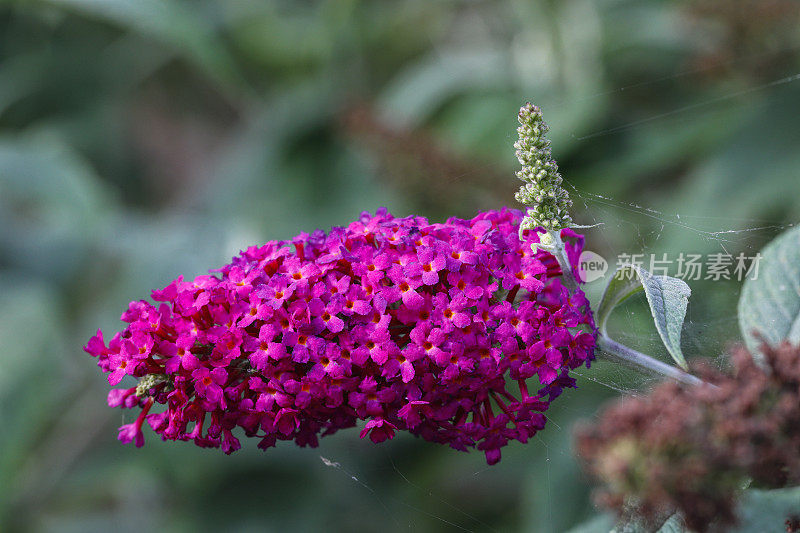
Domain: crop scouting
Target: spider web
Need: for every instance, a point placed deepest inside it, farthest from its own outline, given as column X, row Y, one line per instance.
column 715, row 327
column 708, row 332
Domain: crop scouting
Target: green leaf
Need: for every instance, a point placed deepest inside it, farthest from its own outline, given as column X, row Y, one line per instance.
column 770, row 300
column 606, row 523
column 32, row 378
column 50, row 199
column 418, row 91
column 667, row 297
column 671, row 524
column 758, row 510
column 767, row 510
column 175, row 23
column 599, row 524
column 674, row 524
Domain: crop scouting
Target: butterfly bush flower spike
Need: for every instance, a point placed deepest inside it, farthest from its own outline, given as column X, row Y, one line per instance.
column 461, row 333
column 547, row 201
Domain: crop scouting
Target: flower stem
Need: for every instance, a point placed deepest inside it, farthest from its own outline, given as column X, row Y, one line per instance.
column 619, row 353
column 560, row 253
column 614, row 351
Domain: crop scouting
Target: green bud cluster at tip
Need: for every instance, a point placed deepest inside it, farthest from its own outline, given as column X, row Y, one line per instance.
column 548, row 202
column 148, row 382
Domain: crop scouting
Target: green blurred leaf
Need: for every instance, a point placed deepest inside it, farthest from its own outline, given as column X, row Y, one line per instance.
column 18, row 77
column 600, row 524
column 50, row 199
column 421, row 89
column 668, row 298
column 758, row 511
column 30, row 369
column 606, row 523
column 672, row 524
column 767, row 510
column 770, row 303
column 172, row 22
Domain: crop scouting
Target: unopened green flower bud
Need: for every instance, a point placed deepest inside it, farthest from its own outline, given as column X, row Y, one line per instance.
column 148, row 382
column 547, row 200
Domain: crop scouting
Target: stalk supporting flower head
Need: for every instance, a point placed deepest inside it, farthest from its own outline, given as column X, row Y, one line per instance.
column 547, row 201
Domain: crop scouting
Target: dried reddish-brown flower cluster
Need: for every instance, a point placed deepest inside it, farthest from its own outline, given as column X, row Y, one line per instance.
column 691, row 449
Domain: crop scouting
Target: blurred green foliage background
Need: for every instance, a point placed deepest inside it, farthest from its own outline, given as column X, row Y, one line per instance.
column 143, row 139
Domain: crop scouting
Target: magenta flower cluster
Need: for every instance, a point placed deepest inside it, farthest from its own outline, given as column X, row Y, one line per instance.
column 437, row 329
